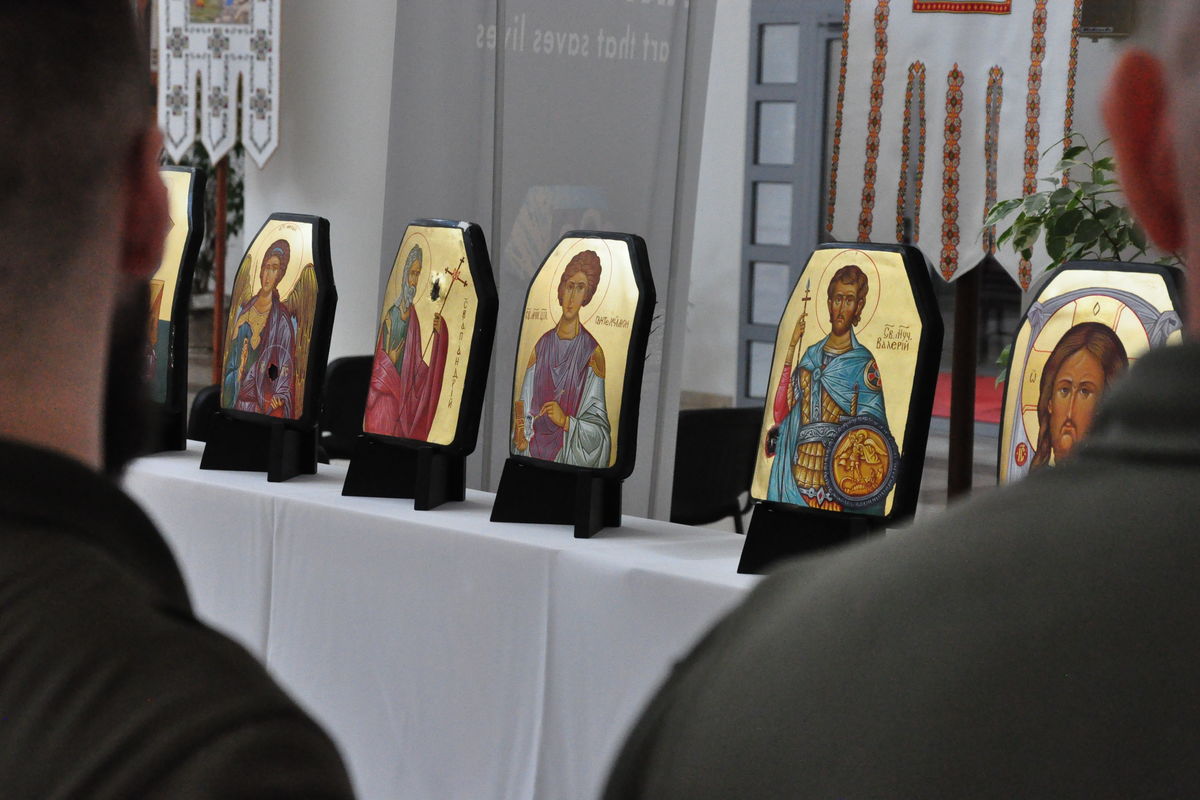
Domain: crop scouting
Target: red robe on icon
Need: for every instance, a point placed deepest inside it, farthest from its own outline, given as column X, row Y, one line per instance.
column 402, row 401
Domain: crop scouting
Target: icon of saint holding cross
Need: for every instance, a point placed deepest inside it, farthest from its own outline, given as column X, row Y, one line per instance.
column 406, row 379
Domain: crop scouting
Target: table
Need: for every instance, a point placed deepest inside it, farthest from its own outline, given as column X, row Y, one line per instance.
column 449, row 656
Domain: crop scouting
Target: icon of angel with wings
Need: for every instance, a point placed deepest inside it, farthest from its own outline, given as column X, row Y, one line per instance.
column 267, row 340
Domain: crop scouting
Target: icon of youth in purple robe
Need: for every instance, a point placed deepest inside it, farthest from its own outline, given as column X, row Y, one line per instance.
column 561, row 415
column 260, row 373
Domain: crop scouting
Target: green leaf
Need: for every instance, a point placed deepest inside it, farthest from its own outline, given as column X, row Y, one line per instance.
column 1003, row 361
column 1027, row 254
column 1023, row 240
column 1060, row 197
column 1066, row 164
column 1088, row 230
column 1074, row 151
column 1137, row 237
column 1121, row 235
column 1109, row 214
column 1068, row 222
column 1001, row 210
column 1105, row 164
column 1028, row 231
column 1036, row 203
column 1056, row 246
column 1006, row 235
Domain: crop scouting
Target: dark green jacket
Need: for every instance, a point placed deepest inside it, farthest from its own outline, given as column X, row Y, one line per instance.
column 109, row 685
column 1040, row 641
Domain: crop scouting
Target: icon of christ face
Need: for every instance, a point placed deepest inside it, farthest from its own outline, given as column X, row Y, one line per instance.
column 1077, row 388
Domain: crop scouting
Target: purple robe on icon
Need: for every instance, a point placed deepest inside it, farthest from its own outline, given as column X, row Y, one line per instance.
column 561, row 373
column 270, row 370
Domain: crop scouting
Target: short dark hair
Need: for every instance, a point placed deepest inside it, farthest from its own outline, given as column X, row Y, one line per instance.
column 74, row 99
column 852, row 274
column 588, row 263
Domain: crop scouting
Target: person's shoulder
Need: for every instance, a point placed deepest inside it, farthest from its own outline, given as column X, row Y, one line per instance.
column 1055, row 588
column 98, row 661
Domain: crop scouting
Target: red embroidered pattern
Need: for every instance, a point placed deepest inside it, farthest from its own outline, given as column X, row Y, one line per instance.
column 963, row 6
column 874, row 119
column 1033, row 111
column 837, row 120
column 1072, row 68
column 951, row 154
column 916, row 85
column 991, row 141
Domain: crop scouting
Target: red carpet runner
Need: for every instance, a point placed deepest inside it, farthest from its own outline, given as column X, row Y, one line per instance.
column 988, row 398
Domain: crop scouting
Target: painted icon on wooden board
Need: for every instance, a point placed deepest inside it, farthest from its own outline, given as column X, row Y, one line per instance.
column 169, row 286
column 842, row 382
column 1088, row 325
column 158, row 340
column 573, row 353
column 220, row 12
column 426, row 332
column 272, row 311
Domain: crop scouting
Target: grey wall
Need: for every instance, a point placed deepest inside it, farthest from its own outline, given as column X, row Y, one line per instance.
column 336, row 95
column 563, row 115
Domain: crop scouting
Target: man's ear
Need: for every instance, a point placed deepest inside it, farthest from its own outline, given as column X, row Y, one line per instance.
column 1136, row 111
column 146, row 214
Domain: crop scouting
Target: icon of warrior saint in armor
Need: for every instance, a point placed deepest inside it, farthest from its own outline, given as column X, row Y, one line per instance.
column 830, row 444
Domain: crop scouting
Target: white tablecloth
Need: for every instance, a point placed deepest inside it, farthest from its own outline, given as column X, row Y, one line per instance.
column 449, row 656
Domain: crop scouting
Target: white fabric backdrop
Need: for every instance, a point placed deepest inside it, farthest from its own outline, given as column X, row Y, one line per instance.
column 238, row 48
column 450, row 657
column 974, row 43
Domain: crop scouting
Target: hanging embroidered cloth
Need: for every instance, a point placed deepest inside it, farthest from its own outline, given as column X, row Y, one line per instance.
column 219, row 43
column 939, row 116
column 963, row 6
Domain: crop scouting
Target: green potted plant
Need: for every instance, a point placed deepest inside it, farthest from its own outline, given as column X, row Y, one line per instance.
column 1080, row 217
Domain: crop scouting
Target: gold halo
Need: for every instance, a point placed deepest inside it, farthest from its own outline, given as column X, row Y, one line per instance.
column 406, row 246
column 298, row 235
column 1106, row 310
column 603, row 248
column 870, row 268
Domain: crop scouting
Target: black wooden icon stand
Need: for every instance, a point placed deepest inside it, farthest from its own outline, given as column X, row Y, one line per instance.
column 168, row 417
column 169, row 428
column 255, row 442
column 530, row 493
column 588, row 499
column 429, row 475
column 279, row 449
column 779, row 530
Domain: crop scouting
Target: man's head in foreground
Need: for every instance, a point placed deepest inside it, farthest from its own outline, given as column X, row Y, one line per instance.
column 1152, row 111
column 82, row 218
